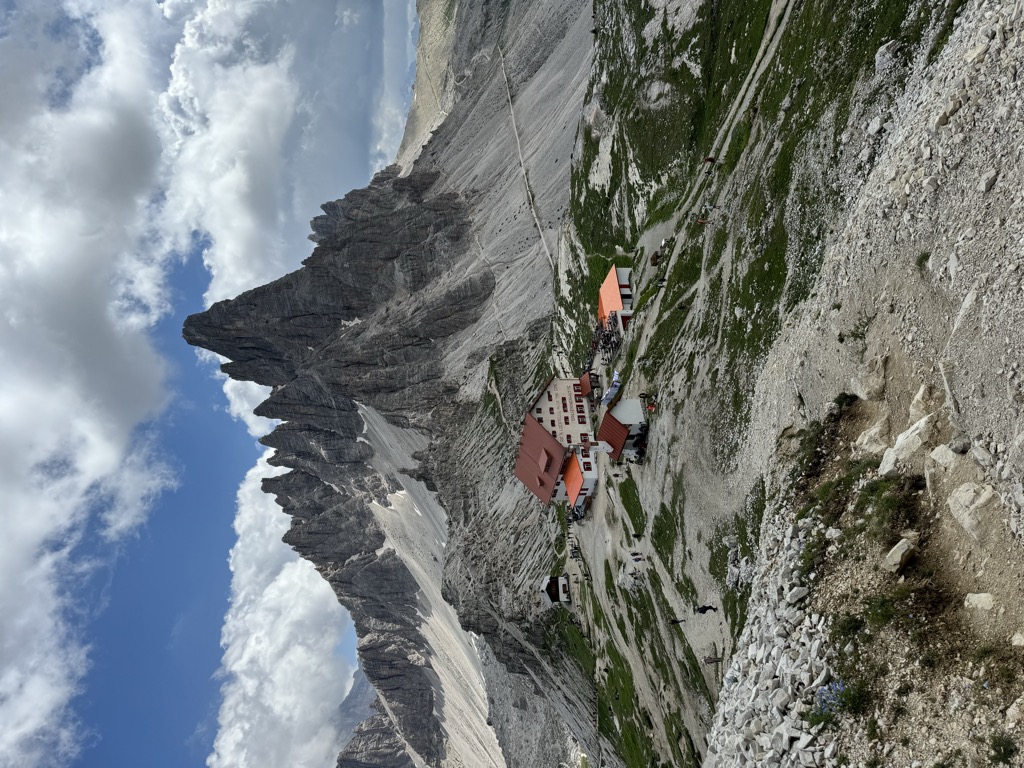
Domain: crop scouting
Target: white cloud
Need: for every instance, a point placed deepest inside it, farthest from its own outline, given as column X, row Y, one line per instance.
column 243, row 397
column 80, row 158
column 129, row 132
column 270, row 113
column 285, row 678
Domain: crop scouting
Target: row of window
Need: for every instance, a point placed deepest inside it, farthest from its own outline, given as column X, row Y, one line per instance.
column 565, row 408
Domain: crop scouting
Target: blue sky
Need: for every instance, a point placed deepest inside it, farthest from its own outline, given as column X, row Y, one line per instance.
column 158, row 157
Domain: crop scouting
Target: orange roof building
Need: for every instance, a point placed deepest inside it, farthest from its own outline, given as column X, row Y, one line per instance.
column 572, row 476
column 616, row 296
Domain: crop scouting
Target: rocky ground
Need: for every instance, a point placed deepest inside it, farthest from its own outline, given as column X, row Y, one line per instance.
column 916, row 311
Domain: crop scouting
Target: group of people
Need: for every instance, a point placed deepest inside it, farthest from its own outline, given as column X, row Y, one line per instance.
column 606, row 338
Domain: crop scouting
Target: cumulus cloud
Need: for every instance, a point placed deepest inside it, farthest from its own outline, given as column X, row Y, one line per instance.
column 270, row 113
column 394, row 93
column 285, row 677
column 130, row 133
column 80, row 156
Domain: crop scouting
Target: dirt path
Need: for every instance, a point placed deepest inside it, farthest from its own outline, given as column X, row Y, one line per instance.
column 766, row 52
column 522, row 166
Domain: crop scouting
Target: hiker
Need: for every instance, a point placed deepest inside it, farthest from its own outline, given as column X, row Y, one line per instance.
column 705, row 608
column 712, row 659
column 709, row 159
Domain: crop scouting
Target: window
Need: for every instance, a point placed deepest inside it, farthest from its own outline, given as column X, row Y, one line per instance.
column 577, row 388
column 551, row 410
column 579, row 398
column 587, row 466
column 581, row 419
column 550, row 398
column 584, row 438
column 552, row 424
column 579, row 409
column 553, row 433
column 585, row 453
column 566, row 419
column 565, row 406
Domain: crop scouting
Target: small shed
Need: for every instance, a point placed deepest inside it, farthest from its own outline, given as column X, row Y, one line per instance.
column 556, row 589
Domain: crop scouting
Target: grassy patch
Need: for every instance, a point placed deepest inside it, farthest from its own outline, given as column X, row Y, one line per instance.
column 619, row 718
column 743, row 533
column 630, row 495
column 949, row 13
column 838, row 698
column 563, row 636
column 890, row 506
column 664, row 535
column 609, row 580
column 1002, row 748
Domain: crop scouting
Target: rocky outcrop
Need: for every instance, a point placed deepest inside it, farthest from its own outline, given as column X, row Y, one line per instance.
column 375, row 744
column 342, row 328
column 357, row 706
column 362, row 320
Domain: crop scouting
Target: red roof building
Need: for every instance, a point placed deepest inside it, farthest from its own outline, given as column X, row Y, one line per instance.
column 540, row 461
column 555, row 461
column 585, row 387
column 623, row 429
column 614, row 433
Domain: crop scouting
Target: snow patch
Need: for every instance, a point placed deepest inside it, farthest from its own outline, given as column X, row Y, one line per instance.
column 416, row 527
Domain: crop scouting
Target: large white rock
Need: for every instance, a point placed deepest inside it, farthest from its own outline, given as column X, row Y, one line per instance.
column 920, row 406
column 797, row 594
column 971, row 504
column 981, row 601
column 874, row 440
column 899, row 556
column 1015, row 713
column 869, row 383
column 907, row 444
column 943, row 456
